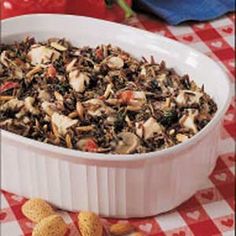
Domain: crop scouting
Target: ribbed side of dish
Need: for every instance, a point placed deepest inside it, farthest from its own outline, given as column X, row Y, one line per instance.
column 115, row 190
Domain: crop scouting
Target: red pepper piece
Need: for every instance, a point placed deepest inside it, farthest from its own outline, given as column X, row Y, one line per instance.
column 7, row 86
column 99, row 54
column 51, row 71
column 126, row 96
column 90, row 145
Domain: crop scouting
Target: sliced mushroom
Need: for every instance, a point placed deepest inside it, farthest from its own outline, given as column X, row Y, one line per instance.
column 127, row 144
column 188, row 97
column 43, row 95
column 58, row 46
column 193, row 97
column 187, row 120
column 62, row 122
column 78, row 81
column 41, row 55
column 13, row 104
column 29, row 101
column 181, row 99
column 115, row 63
column 48, row 107
column 96, row 107
column 148, row 129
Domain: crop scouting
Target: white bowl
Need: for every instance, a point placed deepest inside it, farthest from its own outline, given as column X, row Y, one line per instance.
column 114, row 185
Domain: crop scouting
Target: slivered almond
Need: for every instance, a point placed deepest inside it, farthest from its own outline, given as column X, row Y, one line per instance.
column 36, row 209
column 89, row 224
column 5, row 98
column 80, row 110
column 58, row 46
column 121, row 229
column 55, row 130
column 84, row 128
column 68, row 141
column 35, row 70
column 71, row 65
column 73, row 114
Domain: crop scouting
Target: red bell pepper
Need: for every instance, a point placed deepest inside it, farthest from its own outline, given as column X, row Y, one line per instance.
column 11, row 8
column 7, row 86
column 113, row 10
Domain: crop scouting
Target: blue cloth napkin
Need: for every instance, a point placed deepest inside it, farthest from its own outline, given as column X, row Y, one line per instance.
column 177, row 11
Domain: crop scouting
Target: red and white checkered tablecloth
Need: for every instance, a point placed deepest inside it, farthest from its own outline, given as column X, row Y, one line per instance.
column 211, row 211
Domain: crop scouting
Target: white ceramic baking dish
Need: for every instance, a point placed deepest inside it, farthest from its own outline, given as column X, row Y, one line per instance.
column 114, row 185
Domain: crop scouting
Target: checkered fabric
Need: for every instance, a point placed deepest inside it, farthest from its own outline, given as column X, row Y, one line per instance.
column 211, row 211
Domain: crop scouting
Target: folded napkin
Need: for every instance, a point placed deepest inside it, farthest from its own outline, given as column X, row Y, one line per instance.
column 177, row 11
